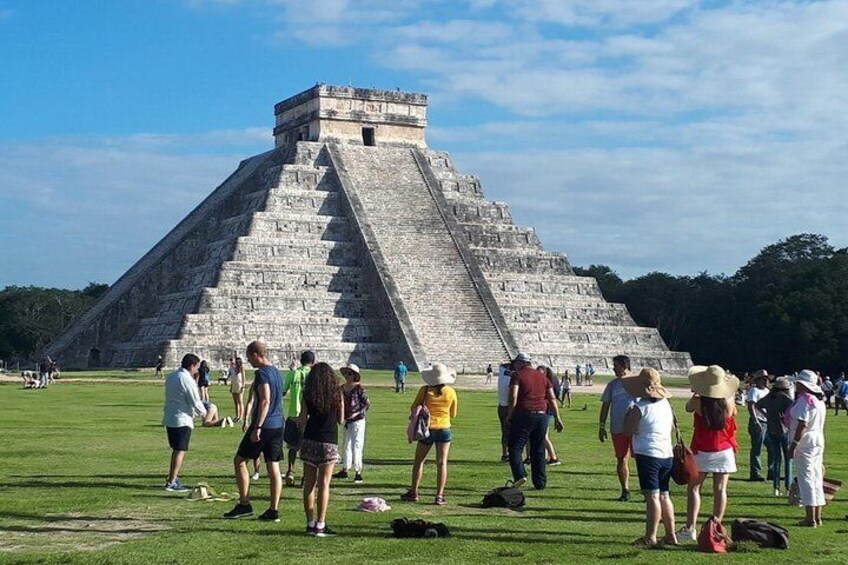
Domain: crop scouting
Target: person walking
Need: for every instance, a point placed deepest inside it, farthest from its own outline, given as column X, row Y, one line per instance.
column 713, row 441
column 203, row 380
column 774, row 405
column 615, row 403
column 578, row 374
column 553, row 458
column 264, row 435
column 806, row 428
column 531, row 395
column 827, row 389
column 565, row 390
column 356, row 405
column 400, row 377
column 322, row 412
column 489, row 374
column 182, row 402
column 649, row 424
column 160, row 364
column 504, row 378
column 293, row 388
column 441, row 400
column 756, row 424
column 841, row 395
column 44, row 370
column 235, row 375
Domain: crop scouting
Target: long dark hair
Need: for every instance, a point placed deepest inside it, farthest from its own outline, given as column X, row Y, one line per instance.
column 321, row 390
column 437, row 389
column 713, row 410
column 548, row 373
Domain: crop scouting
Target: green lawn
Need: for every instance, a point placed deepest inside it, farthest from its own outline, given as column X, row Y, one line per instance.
column 82, row 470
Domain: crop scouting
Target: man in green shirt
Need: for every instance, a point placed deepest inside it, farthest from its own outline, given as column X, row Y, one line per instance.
column 293, row 388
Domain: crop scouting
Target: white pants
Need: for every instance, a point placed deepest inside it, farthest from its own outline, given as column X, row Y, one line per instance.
column 809, row 465
column 354, row 445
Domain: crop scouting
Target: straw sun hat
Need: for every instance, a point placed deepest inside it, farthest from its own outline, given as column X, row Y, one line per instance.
column 712, row 382
column 438, row 374
column 646, row 384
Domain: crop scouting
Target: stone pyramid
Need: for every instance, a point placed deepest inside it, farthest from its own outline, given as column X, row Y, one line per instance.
column 353, row 239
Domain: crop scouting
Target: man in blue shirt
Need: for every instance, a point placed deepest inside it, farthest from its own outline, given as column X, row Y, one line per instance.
column 264, row 435
column 400, row 377
column 615, row 403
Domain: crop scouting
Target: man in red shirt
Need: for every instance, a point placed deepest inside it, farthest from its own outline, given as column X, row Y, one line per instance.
column 530, row 396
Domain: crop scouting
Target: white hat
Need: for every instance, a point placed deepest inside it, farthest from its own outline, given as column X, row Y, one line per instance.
column 438, row 374
column 350, row 368
column 809, row 380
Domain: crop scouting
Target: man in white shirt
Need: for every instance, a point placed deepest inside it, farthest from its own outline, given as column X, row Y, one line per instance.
column 504, row 378
column 757, row 423
column 182, row 402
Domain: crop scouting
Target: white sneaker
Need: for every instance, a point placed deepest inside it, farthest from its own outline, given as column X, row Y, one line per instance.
column 777, row 492
column 255, row 476
column 686, row 534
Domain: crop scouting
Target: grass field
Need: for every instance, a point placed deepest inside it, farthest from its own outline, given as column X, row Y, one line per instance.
column 83, row 465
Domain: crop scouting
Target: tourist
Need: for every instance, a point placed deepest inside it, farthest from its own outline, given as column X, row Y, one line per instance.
column 504, row 378
column 235, row 376
column 211, row 419
column 615, row 403
column 400, row 377
column 182, row 402
column 160, row 364
column 264, row 435
column 531, row 396
column 553, row 459
column 293, row 388
column 203, row 380
column 356, row 404
column 806, row 428
column 578, row 374
column 590, row 374
column 827, row 389
column 841, row 388
column 489, row 374
column 441, row 400
column 649, row 423
column 713, row 441
column 44, row 370
column 756, row 424
column 565, row 389
column 775, row 404
column 322, row 412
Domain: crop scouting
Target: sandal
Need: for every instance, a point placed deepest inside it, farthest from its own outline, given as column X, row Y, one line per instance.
column 670, row 539
column 807, row 524
column 644, row 542
column 440, row 501
column 409, row 496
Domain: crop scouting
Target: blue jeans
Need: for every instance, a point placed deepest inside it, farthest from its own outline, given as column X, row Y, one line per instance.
column 757, row 431
column 528, row 426
column 778, row 446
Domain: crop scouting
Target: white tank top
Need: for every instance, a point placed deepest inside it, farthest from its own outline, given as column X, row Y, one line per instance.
column 653, row 434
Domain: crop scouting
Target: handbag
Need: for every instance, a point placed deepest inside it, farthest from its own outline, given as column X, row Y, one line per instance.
column 684, row 470
column 713, row 537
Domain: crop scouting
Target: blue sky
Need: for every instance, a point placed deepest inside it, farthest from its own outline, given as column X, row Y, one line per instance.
column 671, row 135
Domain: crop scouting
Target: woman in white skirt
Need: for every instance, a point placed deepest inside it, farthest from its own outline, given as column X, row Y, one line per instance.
column 356, row 405
column 236, row 377
column 713, row 441
column 806, row 428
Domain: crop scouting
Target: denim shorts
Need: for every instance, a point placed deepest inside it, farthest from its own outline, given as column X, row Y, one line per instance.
column 654, row 473
column 438, row 436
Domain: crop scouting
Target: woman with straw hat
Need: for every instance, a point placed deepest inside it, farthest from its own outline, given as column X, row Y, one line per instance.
column 440, row 400
column 806, row 428
column 650, row 423
column 713, row 441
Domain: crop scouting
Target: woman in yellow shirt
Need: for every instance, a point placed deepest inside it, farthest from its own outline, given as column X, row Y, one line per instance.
column 440, row 400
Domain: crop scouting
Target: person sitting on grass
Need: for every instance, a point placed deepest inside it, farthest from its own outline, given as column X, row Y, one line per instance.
column 321, row 413
column 211, row 419
column 649, row 424
column 441, row 400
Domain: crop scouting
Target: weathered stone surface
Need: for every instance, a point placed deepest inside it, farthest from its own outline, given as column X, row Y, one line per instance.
column 365, row 254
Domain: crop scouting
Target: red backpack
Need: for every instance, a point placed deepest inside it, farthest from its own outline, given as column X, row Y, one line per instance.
column 713, row 537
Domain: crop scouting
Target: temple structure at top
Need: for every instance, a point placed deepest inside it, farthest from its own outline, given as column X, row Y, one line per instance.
column 354, row 239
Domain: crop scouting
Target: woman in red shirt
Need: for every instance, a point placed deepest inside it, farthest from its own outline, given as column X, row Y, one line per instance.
column 713, row 441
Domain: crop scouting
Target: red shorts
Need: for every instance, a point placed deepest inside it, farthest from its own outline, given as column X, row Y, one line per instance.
column 621, row 443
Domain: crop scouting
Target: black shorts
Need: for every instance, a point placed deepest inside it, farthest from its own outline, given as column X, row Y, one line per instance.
column 292, row 434
column 179, row 438
column 270, row 445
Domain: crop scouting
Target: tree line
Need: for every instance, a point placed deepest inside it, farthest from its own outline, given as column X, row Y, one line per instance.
column 786, row 309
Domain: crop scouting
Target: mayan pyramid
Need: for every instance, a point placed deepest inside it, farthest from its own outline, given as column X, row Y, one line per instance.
column 354, row 239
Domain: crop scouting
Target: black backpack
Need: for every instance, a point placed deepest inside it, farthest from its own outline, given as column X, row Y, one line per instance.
column 406, row 528
column 504, row 497
column 765, row 534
